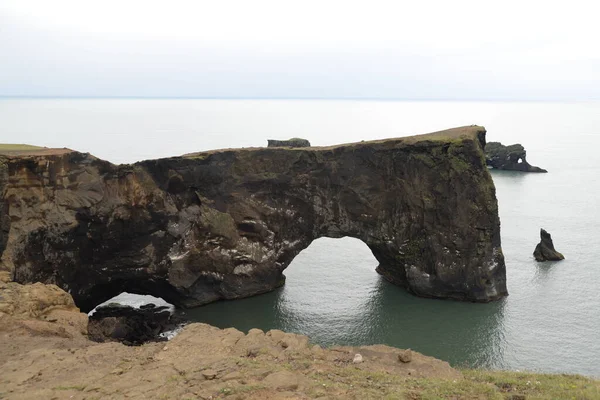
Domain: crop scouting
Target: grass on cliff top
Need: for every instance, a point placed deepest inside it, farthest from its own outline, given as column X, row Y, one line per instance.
column 528, row 385
column 18, row 147
column 478, row 384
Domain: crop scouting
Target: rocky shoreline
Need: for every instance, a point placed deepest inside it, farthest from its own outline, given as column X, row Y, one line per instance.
column 45, row 354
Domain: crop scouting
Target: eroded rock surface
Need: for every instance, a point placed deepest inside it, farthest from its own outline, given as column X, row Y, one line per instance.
column 41, row 310
column 225, row 224
column 544, row 251
column 509, row 158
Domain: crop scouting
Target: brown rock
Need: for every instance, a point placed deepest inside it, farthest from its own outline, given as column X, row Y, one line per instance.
column 405, row 356
column 235, row 375
column 44, row 310
column 282, row 380
column 33, row 301
column 209, row 374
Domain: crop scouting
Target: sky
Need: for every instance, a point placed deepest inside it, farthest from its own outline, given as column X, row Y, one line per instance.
column 417, row 50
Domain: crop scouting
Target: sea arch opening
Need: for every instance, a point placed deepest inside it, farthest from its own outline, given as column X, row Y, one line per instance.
column 332, row 294
column 332, row 291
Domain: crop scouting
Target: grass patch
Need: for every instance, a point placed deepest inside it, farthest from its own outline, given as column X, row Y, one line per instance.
column 537, row 386
column 18, row 147
column 477, row 384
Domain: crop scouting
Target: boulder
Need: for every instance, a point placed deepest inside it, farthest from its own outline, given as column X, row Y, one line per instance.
column 405, row 356
column 509, row 158
column 33, row 301
column 40, row 309
column 132, row 324
column 545, row 251
column 282, row 380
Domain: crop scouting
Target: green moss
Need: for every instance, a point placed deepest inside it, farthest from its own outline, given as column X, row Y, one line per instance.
column 424, row 158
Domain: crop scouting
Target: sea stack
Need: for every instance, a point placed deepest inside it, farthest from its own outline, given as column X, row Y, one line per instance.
column 545, row 251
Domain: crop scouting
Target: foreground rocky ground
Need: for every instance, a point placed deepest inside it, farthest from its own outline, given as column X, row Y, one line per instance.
column 45, row 354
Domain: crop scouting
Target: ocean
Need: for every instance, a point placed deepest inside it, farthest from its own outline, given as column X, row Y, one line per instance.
column 550, row 321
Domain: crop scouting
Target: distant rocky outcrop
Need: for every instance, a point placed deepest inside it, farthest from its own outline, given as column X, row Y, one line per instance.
column 225, row 224
column 293, row 142
column 509, row 158
column 545, row 251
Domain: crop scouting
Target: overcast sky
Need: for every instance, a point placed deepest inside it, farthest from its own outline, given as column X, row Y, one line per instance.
column 510, row 49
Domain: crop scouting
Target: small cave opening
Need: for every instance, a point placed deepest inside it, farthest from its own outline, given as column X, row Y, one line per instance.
column 106, row 291
column 519, row 161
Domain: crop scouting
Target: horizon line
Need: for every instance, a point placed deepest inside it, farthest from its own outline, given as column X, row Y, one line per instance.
column 391, row 99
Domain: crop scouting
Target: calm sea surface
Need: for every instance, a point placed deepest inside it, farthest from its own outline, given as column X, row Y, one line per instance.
column 551, row 320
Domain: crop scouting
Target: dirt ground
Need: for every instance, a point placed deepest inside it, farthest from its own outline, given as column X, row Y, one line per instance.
column 41, row 361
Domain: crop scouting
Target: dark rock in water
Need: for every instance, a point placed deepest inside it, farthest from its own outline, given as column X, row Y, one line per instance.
column 225, row 224
column 509, row 158
column 545, row 251
column 131, row 324
column 293, row 142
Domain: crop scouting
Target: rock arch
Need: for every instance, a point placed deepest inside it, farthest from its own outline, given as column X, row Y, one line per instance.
column 226, row 224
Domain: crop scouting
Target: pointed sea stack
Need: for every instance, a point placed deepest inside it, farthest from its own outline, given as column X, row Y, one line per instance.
column 545, row 251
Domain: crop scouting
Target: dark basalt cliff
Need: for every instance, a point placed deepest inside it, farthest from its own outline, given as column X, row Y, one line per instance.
column 225, row 224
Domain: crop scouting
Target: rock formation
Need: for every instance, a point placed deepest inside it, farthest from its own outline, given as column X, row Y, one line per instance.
column 39, row 309
column 545, row 251
column 129, row 325
column 293, row 142
column 510, row 158
column 225, row 224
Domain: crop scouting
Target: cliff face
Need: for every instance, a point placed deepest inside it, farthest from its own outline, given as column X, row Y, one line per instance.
column 225, row 224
